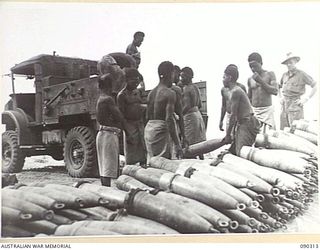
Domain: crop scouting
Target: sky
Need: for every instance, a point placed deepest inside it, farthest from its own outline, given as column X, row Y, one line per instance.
column 204, row 36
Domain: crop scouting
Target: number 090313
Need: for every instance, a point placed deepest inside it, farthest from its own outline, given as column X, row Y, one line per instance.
column 309, row 246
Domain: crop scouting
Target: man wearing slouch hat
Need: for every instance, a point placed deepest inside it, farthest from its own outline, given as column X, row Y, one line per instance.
column 242, row 120
column 294, row 83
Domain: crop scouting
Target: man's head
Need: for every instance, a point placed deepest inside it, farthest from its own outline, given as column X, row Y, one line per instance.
column 133, row 78
column 231, row 74
column 106, row 64
column 186, row 75
column 165, row 71
column 105, row 83
column 255, row 62
column 138, row 38
column 176, row 74
column 291, row 61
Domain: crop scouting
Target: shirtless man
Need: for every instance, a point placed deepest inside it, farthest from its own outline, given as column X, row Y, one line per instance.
column 225, row 107
column 129, row 102
column 261, row 86
column 247, row 126
column 161, row 101
column 178, row 105
column 132, row 49
column 111, row 122
column 195, row 130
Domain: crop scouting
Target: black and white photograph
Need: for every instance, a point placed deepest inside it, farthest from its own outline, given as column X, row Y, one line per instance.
column 159, row 119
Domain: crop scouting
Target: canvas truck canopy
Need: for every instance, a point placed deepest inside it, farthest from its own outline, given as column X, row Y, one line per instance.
column 57, row 66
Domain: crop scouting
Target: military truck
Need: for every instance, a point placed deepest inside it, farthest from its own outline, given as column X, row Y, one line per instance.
column 59, row 119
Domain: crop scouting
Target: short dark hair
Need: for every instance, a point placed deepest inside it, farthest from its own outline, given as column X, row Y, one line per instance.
column 106, row 82
column 232, row 70
column 188, row 71
column 255, row 57
column 165, row 68
column 132, row 73
column 138, row 33
column 177, row 68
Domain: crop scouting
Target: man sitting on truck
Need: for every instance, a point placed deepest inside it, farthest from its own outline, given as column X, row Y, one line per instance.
column 160, row 109
column 129, row 102
column 111, row 122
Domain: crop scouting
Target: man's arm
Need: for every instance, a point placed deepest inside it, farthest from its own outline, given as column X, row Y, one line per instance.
column 121, row 100
column 272, row 87
column 171, row 99
column 178, row 111
column 309, row 81
column 235, row 101
column 223, row 111
column 186, row 100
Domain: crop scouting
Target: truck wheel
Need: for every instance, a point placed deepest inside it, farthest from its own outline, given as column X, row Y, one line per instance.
column 12, row 156
column 80, row 154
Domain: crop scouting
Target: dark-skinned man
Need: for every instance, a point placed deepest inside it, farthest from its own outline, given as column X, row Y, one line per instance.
column 261, row 86
column 225, row 107
column 130, row 104
column 111, row 122
column 194, row 127
column 242, row 118
column 179, row 123
column 160, row 108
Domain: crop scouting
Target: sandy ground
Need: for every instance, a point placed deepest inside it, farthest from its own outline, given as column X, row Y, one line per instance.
column 44, row 170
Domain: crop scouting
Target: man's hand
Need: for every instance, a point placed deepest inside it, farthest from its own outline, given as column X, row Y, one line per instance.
column 184, row 142
column 257, row 78
column 302, row 101
column 227, row 139
column 179, row 151
column 221, row 126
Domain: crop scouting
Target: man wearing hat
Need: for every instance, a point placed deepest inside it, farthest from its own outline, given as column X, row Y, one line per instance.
column 194, row 127
column 130, row 104
column 242, row 120
column 261, row 86
column 293, row 83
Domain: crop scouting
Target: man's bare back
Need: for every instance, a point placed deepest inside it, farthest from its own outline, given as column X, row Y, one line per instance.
column 240, row 104
column 191, row 97
column 161, row 100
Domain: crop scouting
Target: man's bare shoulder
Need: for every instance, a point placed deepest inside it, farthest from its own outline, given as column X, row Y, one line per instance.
column 106, row 99
column 176, row 89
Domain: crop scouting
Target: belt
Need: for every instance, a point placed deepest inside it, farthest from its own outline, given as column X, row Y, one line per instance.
column 114, row 130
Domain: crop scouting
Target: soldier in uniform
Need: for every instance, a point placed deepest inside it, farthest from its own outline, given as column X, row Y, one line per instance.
column 293, row 84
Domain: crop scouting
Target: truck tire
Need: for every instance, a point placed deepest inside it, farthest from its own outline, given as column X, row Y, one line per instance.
column 80, row 154
column 12, row 156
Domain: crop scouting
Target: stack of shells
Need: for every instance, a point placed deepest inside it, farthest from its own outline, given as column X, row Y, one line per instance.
column 261, row 191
